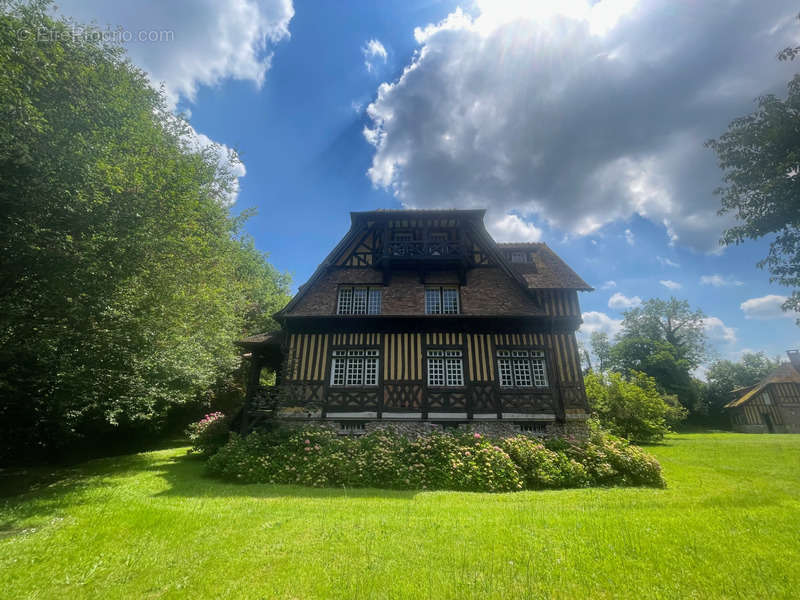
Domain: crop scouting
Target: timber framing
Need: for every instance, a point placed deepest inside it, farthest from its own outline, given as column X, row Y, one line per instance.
column 505, row 350
column 772, row 405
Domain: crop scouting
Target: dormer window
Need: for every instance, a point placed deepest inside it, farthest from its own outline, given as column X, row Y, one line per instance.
column 359, row 301
column 519, row 257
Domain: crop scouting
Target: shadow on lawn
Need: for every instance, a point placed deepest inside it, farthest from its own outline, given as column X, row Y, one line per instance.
column 185, row 476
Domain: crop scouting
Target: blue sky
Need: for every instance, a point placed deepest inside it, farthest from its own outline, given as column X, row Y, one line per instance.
column 582, row 127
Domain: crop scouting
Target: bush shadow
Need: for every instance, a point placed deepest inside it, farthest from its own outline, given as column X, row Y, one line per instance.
column 186, row 477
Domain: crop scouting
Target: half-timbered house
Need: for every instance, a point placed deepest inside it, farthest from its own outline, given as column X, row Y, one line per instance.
column 420, row 316
column 771, row 406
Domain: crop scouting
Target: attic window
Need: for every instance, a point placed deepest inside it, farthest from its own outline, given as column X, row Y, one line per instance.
column 359, row 301
column 519, row 257
column 441, row 301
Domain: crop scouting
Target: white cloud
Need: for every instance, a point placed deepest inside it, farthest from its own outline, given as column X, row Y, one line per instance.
column 719, row 281
column 619, row 301
column 766, row 307
column 204, row 43
column 666, row 262
column 717, row 331
column 227, row 159
column 598, row 321
column 672, row 285
column 510, row 228
column 373, row 51
column 210, row 41
column 608, row 285
column 547, row 110
column 629, row 237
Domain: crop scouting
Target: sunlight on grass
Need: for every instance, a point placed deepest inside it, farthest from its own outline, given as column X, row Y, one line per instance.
column 150, row 525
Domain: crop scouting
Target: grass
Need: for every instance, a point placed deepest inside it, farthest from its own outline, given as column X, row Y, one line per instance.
column 151, row 526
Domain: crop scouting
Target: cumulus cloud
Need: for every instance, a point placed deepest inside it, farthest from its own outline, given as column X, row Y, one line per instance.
column 672, row 285
column 210, row 42
column 578, row 114
column 719, row 281
column 665, row 262
column 510, row 228
column 373, row 51
column 766, row 307
column 598, row 321
column 619, row 301
column 203, row 42
column 717, row 331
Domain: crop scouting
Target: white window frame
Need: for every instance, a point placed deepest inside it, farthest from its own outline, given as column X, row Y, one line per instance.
column 445, row 368
column 435, row 300
column 355, row 367
column 522, row 369
column 359, row 300
column 518, row 256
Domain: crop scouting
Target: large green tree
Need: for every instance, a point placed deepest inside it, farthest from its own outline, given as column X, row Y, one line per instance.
column 760, row 154
column 123, row 276
column 666, row 340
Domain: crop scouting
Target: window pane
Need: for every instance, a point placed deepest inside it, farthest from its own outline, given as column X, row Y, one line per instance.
column 522, row 373
column 354, row 367
column 433, row 301
column 371, row 371
column 519, row 257
column 450, row 301
column 539, row 372
column 337, row 371
column 355, row 371
column 504, row 368
column 360, row 301
column 345, row 306
column 436, row 371
column 455, row 372
column 374, row 301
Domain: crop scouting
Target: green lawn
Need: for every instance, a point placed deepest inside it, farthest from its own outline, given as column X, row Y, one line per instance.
column 151, row 526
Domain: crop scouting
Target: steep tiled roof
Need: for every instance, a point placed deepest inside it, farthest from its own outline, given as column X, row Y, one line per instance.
column 785, row 373
column 550, row 272
column 261, row 339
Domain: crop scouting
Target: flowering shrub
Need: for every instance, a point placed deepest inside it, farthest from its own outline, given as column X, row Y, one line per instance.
column 209, row 434
column 462, row 461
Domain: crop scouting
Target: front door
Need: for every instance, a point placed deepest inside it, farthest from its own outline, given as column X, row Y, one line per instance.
column 768, row 421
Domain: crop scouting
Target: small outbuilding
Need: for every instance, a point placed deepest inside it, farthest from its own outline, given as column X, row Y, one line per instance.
column 772, row 405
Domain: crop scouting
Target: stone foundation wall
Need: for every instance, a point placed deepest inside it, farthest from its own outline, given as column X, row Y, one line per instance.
column 413, row 429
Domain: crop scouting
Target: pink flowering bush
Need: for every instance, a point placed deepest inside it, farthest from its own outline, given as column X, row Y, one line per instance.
column 209, row 434
column 461, row 461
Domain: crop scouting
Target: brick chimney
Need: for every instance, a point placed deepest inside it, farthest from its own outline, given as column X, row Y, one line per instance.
column 794, row 358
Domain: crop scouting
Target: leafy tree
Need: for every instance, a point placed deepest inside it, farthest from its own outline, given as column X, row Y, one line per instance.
column 672, row 322
column 666, row 340
column 601, row 348
column 632, row 407
column 724, row 376
column 760, row 154
column 123, row 277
